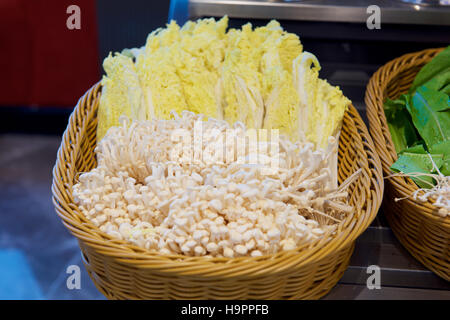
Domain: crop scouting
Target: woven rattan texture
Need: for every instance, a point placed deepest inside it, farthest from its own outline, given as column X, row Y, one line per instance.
column 424, row 234
column 121, row 270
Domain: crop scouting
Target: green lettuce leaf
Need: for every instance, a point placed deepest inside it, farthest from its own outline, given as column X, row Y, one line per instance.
column 443, row 148
column 446, row 89
column 440, row 82
column 438, row 67
column 430, row 113
column 419, row 122
column 400, row 124
column 415, row 162
column 418, row 148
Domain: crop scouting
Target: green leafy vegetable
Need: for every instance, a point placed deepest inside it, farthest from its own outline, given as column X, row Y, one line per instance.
column 438, row 67
column 400, row 125
column 446, row 89
column 428, row 111
column 419, row 148
column 419, row 123
column 415, row 162
column 439, row 83
column 443, row 148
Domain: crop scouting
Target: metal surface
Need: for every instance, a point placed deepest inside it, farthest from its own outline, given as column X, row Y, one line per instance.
column 428, row 2
column 378, row 246
column 392, row 11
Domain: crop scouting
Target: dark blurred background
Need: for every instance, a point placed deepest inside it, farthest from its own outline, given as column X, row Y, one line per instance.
column 45, row 68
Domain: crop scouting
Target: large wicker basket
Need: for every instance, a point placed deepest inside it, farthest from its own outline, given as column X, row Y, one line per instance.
column 121, row 270
column 424, row 234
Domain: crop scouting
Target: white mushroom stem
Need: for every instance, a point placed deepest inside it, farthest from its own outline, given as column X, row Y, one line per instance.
column 146, row 191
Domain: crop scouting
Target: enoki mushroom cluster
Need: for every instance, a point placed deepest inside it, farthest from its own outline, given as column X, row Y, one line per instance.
column 151, row 188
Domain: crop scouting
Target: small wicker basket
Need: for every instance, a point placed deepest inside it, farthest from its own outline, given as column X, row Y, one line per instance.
column 121, row 270
column 424, row 234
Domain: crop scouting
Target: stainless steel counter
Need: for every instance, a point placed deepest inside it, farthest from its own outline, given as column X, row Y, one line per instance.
column 392, row 11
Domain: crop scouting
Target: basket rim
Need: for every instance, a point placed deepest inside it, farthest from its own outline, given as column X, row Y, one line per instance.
column 125, row 252
column 374, row 99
